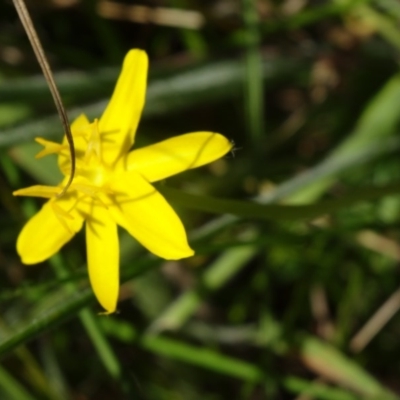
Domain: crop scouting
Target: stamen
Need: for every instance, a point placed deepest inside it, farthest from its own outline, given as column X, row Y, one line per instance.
column 94, row 144
column 93, row 192
column 49, row 147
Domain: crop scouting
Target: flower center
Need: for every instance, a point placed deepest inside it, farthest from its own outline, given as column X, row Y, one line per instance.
column 92, row 175
column 97, row 175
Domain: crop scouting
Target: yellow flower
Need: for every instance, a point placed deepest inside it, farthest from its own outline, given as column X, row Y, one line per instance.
column 112, row 186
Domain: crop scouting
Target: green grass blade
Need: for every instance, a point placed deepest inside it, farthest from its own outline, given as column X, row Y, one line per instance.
column 253, row 88
column 374, row 129
column 66, row 307
column 331, row 363
column 216, row 275
column 209, row 83
column 88, row 320
column 202, row 357
column 250, row 209
column 316, row 390
column 13, row 389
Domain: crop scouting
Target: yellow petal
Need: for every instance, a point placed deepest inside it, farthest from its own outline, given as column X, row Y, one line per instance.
column 47, row 231
column 178, row 154
column 38, row 191
column 119, row 121
column 80, row 129
column 103, row 257
column 146, row 215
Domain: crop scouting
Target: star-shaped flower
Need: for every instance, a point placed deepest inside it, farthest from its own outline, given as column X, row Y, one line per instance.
column 112, row 186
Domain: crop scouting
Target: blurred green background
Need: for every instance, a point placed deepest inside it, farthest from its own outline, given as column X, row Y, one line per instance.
column 294, row 290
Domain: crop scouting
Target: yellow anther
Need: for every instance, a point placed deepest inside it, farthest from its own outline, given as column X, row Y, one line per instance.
column 49, row 147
